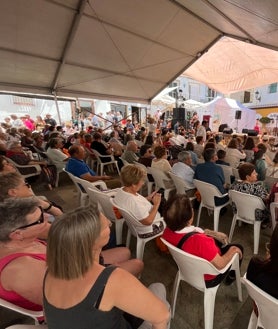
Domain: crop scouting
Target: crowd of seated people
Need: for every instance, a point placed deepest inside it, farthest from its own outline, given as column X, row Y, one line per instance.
column 152, row 151
column 23, row 222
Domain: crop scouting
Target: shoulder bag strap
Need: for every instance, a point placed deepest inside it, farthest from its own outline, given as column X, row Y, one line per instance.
column 184, row 238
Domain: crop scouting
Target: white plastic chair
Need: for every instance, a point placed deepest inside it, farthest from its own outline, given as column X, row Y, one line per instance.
column 82, row 185
column 36, row 167
column 246, row 205
column 150, row 185
column 192, row 270
column 228, row 172
column 90, row 158
column 101, row 165
column 135, row 229
column 33, row 314
column 235, row 173
column 208, row 192
column 180, row 185
column 125, row 163
column 59, row 170
column 162, row 181
column 98, row 185
column 266, row 304
column 270, row 181
column 103, row 198
column 273, row 212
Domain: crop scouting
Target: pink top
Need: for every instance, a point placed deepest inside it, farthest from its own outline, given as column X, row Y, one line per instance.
column 11, row 296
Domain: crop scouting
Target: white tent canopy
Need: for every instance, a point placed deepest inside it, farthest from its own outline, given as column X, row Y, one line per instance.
column 122, row 49
column 191, row 104
column 223, row 110
column 240, row 66
column 163, row 97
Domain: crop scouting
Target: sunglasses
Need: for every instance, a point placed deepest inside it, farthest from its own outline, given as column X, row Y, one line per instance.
column 39, row 221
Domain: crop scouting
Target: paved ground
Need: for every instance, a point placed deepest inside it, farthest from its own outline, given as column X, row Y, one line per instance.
column 229, row 312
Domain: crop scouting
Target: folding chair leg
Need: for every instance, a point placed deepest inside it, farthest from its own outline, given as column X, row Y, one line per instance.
column 128, row 238
column 140, row 247
column 175, row 293
column 119, row 230
column 216, row 219
column 199, row 214
column 238, row 284
column 209, row 303
column 232, row 228
column 117, row 167
column 253, row 321
column 257, row 228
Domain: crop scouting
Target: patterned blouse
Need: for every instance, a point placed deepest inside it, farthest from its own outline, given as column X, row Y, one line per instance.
column 256, row 189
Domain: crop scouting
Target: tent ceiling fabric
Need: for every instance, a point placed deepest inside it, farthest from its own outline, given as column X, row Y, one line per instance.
column 240, row 66
column 119, row 49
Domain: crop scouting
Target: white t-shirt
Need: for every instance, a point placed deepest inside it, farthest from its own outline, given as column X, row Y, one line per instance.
column 185, row 172
column 137, row 205
column 233, row 157
column 57, row 157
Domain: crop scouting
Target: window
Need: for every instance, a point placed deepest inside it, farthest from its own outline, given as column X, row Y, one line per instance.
column 174, row 92
column 211, row 94
column 18, row 100
column 247, row 97
column 272, row 88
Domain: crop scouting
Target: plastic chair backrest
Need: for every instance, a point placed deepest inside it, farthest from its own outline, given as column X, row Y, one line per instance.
column 125, row 163
column 180, row 184
column 192, row 268
column 235, row 173
column 267, row 305
column 228, row 172
column 99, row 156
column 86, row 184
column 17, row 166
column 246, row 204
column 270, row 181
column 33, row 314
column 160, row 177
column 208, row 192
column 104, row 201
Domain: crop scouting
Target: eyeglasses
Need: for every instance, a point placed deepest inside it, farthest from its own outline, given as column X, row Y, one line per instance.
column 39, row 221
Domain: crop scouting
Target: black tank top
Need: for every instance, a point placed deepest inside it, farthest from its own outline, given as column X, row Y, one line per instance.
column 86, row 315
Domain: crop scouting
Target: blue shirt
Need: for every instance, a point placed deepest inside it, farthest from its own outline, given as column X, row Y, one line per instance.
column 211, row 173
column 78, row 167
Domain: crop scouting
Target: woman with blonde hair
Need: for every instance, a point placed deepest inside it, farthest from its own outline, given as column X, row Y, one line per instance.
column 144, row 209
column 81, row 293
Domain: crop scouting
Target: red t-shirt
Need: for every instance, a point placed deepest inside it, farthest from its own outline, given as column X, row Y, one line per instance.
column 198, row 244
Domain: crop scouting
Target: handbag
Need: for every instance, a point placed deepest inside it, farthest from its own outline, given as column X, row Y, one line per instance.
column 218, row 236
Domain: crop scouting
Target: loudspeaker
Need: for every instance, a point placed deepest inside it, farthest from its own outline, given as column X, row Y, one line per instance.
column 228, row 131
column 179, row 113
column 222, row 127
column 245, row 131
column 238, row 115
column 182, row 122
column 252, row 132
